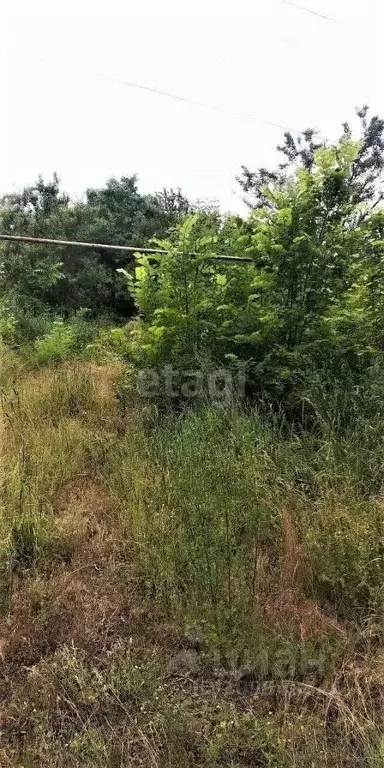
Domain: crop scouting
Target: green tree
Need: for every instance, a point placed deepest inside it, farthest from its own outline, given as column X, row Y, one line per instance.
column 310, row 234
column 63, row 280
column 310, row 303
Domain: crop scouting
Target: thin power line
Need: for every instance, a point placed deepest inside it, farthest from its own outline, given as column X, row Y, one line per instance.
column 195, row 103
column 309, row 10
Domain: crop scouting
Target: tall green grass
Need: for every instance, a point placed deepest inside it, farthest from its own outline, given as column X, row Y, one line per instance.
column 50, row 435
column 228, row 510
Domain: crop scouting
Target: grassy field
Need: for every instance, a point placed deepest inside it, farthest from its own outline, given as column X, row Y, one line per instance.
column 197, row 589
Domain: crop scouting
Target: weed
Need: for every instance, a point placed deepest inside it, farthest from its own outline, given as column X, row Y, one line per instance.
column 121, row 532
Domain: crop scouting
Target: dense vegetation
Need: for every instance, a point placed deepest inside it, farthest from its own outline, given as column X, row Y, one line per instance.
column 305, row 314
column 191, row 519
column 37, row 283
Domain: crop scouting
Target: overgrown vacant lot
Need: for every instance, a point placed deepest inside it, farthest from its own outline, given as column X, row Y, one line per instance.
column 197, row 589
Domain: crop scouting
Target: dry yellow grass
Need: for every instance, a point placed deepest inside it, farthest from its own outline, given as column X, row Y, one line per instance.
column 86, row 633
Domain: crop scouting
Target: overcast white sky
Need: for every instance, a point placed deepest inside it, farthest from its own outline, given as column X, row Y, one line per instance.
column 255, row 57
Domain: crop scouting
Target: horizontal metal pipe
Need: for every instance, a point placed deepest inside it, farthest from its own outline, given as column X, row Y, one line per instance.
column 103, row 246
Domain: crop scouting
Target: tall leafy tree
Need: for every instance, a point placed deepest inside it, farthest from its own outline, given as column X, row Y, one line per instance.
column 315, row 235
column 67, row 279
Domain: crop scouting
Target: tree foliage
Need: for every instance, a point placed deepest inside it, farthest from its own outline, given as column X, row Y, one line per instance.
column 63, row 279
column 312, row 299
column 310, row 304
